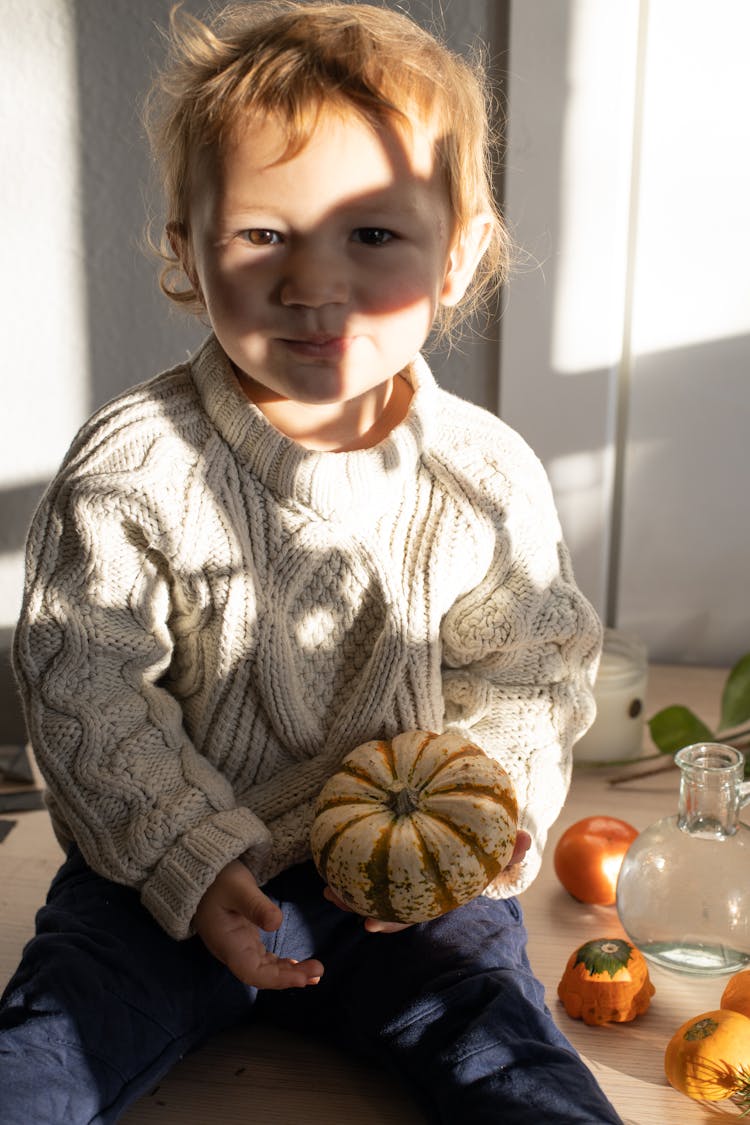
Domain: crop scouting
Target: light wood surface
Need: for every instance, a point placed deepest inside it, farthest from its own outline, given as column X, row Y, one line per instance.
column 291, row 1081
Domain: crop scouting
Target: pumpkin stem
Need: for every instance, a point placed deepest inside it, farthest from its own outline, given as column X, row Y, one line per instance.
column 404, row 800
column 604, row 955
column 703, row 1029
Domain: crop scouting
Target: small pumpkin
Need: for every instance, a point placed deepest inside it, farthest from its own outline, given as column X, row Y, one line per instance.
column 606, row 981
column 736, row 995
column 708, row 1058
column 410, row 828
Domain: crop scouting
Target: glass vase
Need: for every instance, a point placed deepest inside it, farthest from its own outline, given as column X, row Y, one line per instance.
column 683, row 893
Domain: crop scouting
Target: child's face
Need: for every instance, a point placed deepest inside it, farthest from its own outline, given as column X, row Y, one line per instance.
column 322, row 274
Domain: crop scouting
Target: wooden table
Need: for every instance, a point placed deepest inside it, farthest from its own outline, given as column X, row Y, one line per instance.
column 288, row 1081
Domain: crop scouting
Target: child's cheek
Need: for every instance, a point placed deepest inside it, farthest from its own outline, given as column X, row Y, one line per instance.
column 398, row 291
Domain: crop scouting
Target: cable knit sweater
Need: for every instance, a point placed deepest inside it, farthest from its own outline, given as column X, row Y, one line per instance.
column 213, row 616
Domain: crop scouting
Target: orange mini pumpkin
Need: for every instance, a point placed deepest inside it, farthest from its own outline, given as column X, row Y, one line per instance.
column 708, row 1058
column 410, row 828
column 605, row 981
column 736, row 995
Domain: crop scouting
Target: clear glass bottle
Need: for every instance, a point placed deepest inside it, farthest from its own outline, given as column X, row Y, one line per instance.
column 683, row 893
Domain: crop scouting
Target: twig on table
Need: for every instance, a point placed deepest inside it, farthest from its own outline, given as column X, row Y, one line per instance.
column 738, row 740
column 640, row 774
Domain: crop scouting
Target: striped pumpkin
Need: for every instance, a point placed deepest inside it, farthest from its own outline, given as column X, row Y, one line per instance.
column 409, row 829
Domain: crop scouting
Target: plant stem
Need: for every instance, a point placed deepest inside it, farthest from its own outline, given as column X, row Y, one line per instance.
column 734, row 738
column 667, row 765
column 728, row 739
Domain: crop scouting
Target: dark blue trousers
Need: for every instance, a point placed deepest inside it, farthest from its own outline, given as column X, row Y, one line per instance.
column 104, row 1003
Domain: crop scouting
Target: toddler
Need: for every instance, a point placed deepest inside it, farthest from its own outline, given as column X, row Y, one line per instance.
column 291, row 544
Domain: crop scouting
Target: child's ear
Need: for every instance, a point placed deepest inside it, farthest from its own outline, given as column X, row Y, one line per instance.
column 179, row 241
column 465, row 255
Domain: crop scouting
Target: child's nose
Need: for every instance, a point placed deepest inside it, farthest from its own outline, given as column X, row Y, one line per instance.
column 313, row 278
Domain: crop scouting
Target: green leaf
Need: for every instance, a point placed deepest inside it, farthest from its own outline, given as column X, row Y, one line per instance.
column 677, row 726
column 735, row 701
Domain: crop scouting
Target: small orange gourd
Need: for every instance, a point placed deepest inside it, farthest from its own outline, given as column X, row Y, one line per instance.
column 708, row 1058
column 412, row 827
column 736, row 995
column 605, row 981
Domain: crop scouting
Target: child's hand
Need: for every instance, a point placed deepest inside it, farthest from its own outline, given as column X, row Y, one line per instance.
column 523, row 843
column 375, row 926
column 228, row 920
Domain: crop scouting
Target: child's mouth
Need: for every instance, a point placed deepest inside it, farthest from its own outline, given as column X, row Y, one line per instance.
column 319, row 347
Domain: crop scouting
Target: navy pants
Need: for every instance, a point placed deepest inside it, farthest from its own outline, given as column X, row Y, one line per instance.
column 104, row 1003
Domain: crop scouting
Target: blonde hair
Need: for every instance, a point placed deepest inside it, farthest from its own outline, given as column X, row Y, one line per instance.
column 294, row 59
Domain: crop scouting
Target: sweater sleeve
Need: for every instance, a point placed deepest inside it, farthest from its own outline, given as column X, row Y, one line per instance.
column 91, row 647
column 520, row 650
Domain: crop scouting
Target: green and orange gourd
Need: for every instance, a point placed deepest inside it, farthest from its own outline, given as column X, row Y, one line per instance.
column 605, row 981
column 412, row 827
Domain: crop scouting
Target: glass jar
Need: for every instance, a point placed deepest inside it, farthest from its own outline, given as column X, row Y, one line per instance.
column 683, row 893
column 616, row 734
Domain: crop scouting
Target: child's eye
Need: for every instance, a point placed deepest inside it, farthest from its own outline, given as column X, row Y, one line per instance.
column 260, row 237
column 373, row 236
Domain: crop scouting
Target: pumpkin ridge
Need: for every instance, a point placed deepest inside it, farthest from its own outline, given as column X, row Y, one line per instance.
column 334, row 838
column 442, row 895
column 385, row 750
column 488, row 862
column 467, row 751
column 493, row 793
column 336, row 801
column 376, row 872
column 429, row 737
column 362, row 773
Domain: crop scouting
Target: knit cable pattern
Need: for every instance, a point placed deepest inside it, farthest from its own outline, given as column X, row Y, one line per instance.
column 213, row 616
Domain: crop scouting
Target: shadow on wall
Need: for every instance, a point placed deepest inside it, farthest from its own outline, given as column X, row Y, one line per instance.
column 133, row 331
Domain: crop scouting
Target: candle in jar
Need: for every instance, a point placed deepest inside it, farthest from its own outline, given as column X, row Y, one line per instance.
column 619, row 693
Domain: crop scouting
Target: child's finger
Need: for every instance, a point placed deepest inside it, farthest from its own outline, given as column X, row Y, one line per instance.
column 277, row 973
column 523, row 843
column 263, row 913
column 375, row 926
column 312, row 967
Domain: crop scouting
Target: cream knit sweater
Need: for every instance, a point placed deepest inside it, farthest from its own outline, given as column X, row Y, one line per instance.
column 214, row 615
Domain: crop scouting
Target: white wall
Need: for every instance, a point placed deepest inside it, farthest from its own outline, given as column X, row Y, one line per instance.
column 626, row 338
column 684, row 573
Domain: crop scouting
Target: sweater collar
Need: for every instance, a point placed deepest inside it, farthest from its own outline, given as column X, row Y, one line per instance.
column 332, row 484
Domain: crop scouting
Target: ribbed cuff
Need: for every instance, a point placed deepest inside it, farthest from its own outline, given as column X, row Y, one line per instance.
column 177, row 885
